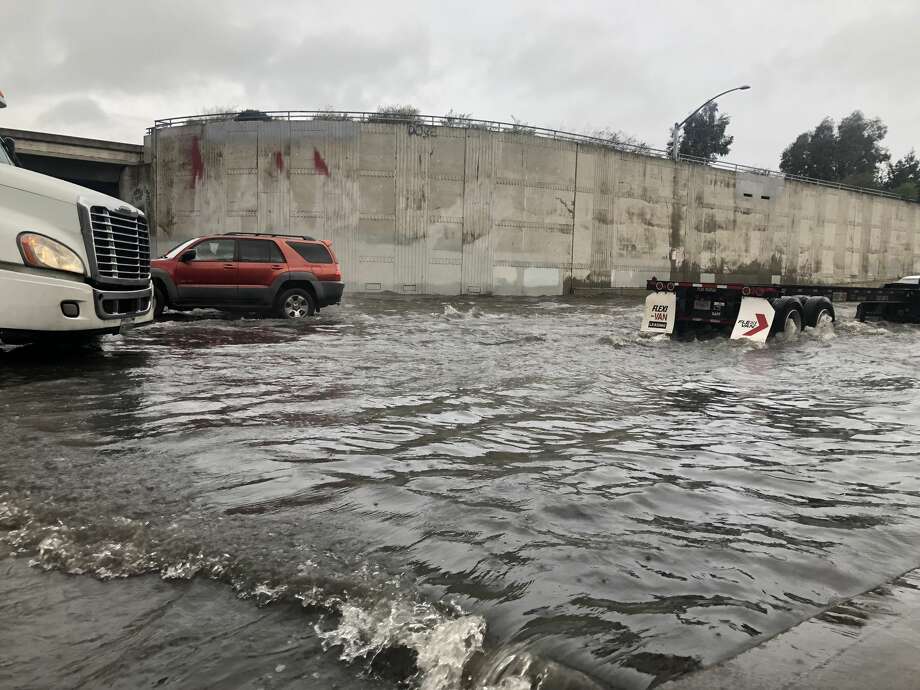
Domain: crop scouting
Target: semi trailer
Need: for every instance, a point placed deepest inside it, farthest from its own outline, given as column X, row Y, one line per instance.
column 755, row 311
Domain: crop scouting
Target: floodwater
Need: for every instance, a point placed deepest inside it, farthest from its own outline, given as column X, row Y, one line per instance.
column 442, row 493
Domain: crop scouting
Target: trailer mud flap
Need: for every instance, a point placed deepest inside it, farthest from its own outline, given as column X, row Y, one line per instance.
column 754, row 320
column 660, row 313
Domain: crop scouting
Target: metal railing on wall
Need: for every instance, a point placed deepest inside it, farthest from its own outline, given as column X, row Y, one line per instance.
column 422, row 124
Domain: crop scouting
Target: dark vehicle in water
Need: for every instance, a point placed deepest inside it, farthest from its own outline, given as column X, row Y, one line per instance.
column 755, row 312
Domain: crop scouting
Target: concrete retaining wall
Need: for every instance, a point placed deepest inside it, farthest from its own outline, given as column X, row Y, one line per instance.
column 419, row 209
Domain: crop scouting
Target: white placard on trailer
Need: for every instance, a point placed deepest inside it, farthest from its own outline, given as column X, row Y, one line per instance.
column 754, row 320
column 660, row 313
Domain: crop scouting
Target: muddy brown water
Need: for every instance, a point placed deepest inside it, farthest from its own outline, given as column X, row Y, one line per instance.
column 443, row 493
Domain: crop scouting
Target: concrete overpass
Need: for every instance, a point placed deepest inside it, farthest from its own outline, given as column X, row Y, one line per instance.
column 111, row 167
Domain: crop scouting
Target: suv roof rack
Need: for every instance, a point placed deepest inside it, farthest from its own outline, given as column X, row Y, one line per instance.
column 268, row 234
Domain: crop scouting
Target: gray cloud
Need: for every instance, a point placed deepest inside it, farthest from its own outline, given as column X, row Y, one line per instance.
column 74, row 111
column 630, row 66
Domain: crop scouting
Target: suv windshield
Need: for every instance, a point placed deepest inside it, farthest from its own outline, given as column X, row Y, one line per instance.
column 174, row 252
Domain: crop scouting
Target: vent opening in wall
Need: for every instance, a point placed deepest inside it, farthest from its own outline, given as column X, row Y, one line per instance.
column 748, row 195
column 372, row 287
column 765, row 197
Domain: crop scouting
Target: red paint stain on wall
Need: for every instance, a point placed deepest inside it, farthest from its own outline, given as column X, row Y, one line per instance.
column 197, row 162
column 319, row 164
column 279, row 161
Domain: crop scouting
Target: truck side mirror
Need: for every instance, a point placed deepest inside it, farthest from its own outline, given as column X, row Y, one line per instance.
column 9, row 145
column 187, row 256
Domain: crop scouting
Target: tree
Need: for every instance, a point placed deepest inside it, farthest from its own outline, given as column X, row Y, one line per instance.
column 850, row 152
column 704, row 135
column 521, row 127
column 619, row 139
column 220, row 110
column 903, row 177
column 395, row 114
column 452, row 118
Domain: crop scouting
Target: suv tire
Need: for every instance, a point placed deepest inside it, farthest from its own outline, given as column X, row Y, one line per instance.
column 159, row 302
column 295, row 303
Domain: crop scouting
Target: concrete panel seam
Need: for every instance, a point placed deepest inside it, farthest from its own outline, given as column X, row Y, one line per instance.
column 532, row 225
column 534, row 184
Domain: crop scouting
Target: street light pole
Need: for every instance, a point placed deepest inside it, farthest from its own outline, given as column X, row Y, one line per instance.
column 675, row 130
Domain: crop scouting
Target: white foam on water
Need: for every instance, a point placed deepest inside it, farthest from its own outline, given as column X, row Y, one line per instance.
column 444, row 641
column 443, row 645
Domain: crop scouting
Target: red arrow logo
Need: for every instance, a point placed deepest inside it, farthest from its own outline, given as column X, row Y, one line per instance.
column 761, row 324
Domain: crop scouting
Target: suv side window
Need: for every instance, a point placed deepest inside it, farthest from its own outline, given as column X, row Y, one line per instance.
column 215, row 250
column 260, row 251
column 314, row 253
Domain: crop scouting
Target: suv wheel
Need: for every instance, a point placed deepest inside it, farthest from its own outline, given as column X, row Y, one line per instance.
column 296, row 304
column 159, row 302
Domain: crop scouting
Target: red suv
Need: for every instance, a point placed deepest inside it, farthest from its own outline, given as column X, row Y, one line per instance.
column 292, row 276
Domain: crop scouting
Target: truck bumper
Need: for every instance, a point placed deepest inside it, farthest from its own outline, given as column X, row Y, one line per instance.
column 329, row 292
column 37, row 305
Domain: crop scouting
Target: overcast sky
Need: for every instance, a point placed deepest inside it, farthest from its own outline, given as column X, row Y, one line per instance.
column 108, row 69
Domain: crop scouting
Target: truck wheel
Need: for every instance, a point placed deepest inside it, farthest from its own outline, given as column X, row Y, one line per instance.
column 296, row 303
column 861, row 313
column 819, row 311
column 159, row 302
column 788, row 317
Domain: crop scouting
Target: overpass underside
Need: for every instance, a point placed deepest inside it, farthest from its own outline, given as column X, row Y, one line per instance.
column 110, row 167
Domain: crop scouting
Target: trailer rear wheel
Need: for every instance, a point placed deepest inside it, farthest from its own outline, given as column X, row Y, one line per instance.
column 819, row 311
column 788, row 316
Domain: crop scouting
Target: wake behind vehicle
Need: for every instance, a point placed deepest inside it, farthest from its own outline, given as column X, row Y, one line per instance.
column 74, row 263
column 289, row 276
column 755, row 312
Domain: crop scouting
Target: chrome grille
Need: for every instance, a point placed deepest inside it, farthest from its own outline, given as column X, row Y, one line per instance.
column 121, row 244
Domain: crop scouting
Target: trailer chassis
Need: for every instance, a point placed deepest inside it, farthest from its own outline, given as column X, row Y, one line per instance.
column 687, row 308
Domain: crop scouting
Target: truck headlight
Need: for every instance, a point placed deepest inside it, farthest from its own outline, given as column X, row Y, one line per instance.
column 43, row 252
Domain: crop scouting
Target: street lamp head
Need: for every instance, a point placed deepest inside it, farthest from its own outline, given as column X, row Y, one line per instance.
column 745, row 87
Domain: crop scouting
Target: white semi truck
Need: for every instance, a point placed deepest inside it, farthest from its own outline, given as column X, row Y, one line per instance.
column 74, row 263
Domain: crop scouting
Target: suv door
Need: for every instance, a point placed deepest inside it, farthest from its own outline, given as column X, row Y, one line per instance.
column 211, row 277
column 260, row 262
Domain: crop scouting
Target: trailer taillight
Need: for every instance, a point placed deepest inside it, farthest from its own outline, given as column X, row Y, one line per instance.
column 670, row 287
column 758, row 292
column 745, row 291
column 659, row 285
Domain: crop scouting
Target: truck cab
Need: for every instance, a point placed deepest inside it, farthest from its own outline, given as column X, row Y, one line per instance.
column 74, row 263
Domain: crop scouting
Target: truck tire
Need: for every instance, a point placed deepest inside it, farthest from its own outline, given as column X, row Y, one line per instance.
column 788, row 317
column 861, row 312
column 295, row 303
column 159, row 301
column 819, row 311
